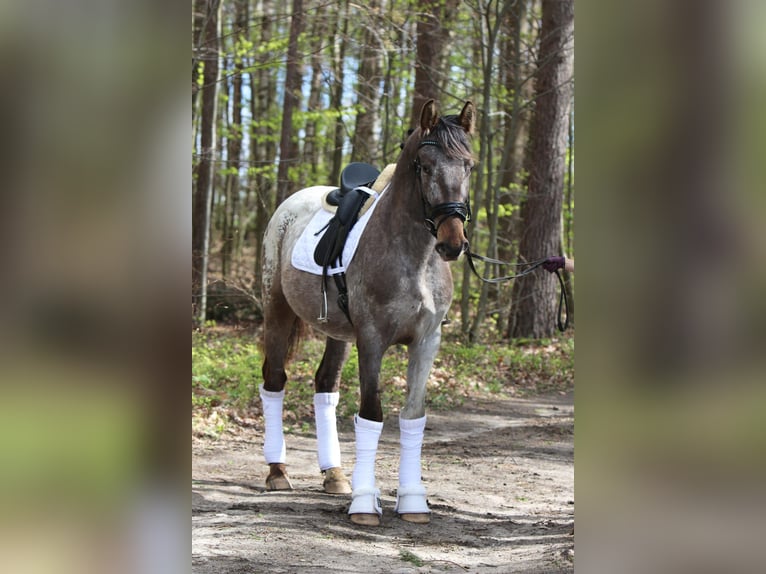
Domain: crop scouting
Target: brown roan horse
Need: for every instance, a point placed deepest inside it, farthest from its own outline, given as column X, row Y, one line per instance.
column 399, row 290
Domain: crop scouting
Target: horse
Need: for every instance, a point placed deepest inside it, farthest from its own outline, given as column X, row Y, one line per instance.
column 399, row 291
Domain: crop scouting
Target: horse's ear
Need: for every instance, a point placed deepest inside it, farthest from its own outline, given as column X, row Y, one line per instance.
column 468, row 117
column 429, row 117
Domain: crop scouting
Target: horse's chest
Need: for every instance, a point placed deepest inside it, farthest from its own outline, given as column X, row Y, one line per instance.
column 420, row 304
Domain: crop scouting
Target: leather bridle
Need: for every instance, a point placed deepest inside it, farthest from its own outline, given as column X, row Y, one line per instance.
column 435, row 215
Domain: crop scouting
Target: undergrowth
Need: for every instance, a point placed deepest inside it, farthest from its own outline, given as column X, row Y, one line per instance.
column 226, row 374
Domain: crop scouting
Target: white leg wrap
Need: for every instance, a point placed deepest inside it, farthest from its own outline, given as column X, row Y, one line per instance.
column 367, row 435
column 411, row 494
column 328, row 447
column 365, row 498
column 274, row 439
column 411, row 441
column 365, row 501
column 412, row 500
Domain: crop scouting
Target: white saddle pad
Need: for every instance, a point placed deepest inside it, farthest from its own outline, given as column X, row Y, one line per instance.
column 303, row 252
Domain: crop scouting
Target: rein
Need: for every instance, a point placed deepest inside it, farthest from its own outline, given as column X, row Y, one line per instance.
column 563, row 301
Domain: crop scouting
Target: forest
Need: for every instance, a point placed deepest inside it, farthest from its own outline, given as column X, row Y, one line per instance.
column 284, row 95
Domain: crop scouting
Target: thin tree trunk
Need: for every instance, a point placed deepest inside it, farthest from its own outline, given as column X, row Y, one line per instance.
column 534, row 297
column 492, row 16
column 311, row 151
column 365, row 140
column 199, row 17
column 202, row 200
column 288, row 147
column 517, row 119
column 263, row 149
column 339, row 57
column 234, row 152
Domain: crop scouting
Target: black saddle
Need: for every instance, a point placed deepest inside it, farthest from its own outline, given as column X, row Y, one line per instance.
column 349, row 199
column 352, row 176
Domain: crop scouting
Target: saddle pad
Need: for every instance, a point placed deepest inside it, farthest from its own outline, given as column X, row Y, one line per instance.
column 303, row 252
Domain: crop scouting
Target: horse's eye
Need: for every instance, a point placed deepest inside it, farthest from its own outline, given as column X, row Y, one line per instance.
column 426, row 170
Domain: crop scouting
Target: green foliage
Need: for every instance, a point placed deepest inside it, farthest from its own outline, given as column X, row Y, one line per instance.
column 223, row 368
column 413, row 559
column 226, row 374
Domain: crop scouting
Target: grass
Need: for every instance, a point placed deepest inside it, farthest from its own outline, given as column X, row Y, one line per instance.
column 226, row 373
column 413, row 559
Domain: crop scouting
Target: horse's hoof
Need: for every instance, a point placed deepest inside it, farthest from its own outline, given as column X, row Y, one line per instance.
column 335, row 482
column 417, row 517
column 365, row 519
column 277, row 479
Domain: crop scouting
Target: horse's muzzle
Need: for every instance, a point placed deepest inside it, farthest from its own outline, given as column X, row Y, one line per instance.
column 450, row 252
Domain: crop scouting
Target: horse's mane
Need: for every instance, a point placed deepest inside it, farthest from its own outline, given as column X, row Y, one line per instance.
column 450, row 136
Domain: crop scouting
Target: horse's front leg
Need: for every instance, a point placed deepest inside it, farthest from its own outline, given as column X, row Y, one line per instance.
column 368, row 424
column 411, row 495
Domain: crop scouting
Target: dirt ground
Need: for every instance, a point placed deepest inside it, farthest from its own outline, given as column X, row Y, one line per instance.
column 500, row 480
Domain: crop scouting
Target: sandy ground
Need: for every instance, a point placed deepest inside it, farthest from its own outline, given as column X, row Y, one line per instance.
column 500, row 480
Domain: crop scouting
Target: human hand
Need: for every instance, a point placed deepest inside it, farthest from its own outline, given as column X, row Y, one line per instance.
column 553, row 263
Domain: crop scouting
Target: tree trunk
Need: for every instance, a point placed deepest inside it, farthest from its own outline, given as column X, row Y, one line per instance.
column 231, row 214
column 490, row 20
column 534, row 297
column 263, row 149
column 199, row 17
column 201, row 205
column 339, row 57
column 288, row 146
column 432, row 37
column 365, row 141
column 311, row 151
column 518, row 84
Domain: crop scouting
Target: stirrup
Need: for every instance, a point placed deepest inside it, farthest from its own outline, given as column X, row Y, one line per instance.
column 323, row 309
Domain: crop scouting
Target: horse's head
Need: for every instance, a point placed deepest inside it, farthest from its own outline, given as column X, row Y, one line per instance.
column 442, row 164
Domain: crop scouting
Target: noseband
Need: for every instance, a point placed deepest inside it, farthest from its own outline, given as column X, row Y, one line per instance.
column 443, row 210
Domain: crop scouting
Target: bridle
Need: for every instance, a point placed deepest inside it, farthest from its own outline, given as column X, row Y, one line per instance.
column 431, row 214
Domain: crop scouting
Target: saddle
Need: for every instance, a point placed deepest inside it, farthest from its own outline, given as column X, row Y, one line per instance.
column 348, row 200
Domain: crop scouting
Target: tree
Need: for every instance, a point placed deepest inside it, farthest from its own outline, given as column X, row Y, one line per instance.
column 533, row 296
column 368, row 67
column 230, row 230
column 365, row 141
column 432, row 37
column 492, row 16
column 336, row 96
column 202, row 198
column 288, row 146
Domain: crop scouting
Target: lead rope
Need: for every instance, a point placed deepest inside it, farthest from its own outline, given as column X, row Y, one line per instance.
column 563, row 300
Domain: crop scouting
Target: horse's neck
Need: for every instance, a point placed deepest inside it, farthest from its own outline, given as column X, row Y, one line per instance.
column 401, row 216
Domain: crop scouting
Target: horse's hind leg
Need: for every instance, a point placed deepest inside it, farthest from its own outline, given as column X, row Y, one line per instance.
column 327, row 383
column 411, row 495
column 281, row 329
